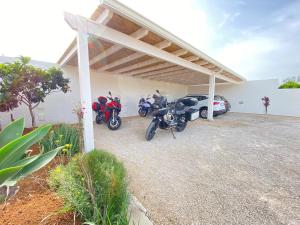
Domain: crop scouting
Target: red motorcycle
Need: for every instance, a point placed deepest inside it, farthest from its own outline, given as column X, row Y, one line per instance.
column 108, row 112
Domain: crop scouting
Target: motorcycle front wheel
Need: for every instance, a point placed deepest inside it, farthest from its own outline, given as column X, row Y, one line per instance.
column 142, row 112
column 151, row 131
column 181, row 126
column 114, row 124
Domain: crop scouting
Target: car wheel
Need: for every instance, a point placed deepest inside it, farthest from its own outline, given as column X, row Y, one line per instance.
column 203, row 113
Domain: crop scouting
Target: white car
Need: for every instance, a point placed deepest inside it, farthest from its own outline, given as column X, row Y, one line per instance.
column 202, row 106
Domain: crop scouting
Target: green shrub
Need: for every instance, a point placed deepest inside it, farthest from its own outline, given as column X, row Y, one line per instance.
column 15, row 164
column 62, row 135
column 94, row 185
column 290, row 84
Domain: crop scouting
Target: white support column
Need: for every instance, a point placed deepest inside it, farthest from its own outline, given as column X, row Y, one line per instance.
column 211, row 95
column 85, row 90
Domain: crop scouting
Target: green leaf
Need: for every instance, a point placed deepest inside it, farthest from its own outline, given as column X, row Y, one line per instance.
column 40, row 162
column 26, row 161
column 12, row 131
column 15, row 150
column 7, row 173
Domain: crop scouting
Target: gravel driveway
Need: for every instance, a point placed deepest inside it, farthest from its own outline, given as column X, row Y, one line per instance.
column 239, row 169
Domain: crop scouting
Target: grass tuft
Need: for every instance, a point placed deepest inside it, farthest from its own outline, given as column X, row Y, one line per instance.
column 94, row 185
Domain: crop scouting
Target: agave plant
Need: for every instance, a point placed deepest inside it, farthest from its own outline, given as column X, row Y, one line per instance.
column 15, row 163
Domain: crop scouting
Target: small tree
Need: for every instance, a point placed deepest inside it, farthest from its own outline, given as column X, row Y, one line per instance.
column 266, row 103
column 29, row 85
column 8, row 101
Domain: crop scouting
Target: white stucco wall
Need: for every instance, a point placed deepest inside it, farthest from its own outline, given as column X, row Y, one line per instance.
column 58, row 107
column 246, row 97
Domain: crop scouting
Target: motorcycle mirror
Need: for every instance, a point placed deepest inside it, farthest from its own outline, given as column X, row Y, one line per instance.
column 157, row 91
column 109, row 93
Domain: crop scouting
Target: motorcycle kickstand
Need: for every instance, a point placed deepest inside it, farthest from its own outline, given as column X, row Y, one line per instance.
column 173, row 133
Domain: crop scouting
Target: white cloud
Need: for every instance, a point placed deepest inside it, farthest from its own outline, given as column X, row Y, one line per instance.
column 228, row 18
column 37, row 28
column 245, row 56
column 185, row 19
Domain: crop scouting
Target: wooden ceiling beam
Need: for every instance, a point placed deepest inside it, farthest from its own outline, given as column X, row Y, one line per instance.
column 149, row 69
column 171, row 74
column 162, row 71
column 160, row 45
column 104, row 18
column 192, row 58
column 137, row 35
column 210, row 66
column 161, row 66
column 153, row 61
column 182, row 82
column 202, row 63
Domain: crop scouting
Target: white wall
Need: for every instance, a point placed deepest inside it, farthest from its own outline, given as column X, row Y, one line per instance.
column 58, row 107
column 130, row 90
column 246, row 97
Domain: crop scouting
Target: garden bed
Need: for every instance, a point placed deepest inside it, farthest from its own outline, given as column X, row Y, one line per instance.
column 93, row 185
column 35, row 203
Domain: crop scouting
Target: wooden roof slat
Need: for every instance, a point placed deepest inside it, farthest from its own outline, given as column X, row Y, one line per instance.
column 169, row 74
column 148, row 69
column 133, row 68
column 138, row 65
column 138, row 35
column 137, row 55
column 202, row 62
column 123, row 24
column 161, row 71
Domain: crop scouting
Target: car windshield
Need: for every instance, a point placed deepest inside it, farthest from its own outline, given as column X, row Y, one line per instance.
column 218, row 98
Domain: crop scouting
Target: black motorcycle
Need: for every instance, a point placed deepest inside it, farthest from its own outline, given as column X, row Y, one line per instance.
column 173, row 115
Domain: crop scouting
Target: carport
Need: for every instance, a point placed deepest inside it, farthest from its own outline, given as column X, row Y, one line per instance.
column 116, row 39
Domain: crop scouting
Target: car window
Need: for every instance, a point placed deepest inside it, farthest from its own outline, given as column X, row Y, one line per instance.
column 200, row 98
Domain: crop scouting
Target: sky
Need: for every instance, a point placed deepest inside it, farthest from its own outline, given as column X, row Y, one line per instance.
column 258, row 39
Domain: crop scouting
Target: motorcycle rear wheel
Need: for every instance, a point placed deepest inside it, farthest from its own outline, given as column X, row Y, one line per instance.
column 151, row 131
column 98, row 119
column 114, row 125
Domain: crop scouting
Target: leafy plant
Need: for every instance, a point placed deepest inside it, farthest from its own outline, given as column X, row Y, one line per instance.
column 14, row 162
column 22, row 83
column 94, row 185
column 62, row 135
column 290, row 85
column 266, row 103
